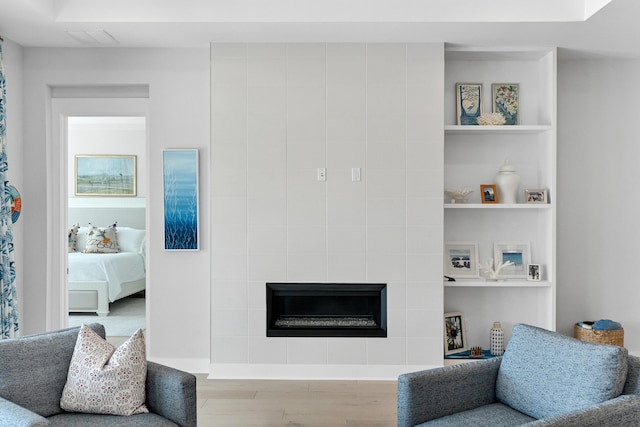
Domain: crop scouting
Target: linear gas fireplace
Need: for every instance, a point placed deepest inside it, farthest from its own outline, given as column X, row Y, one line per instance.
column 326, row 310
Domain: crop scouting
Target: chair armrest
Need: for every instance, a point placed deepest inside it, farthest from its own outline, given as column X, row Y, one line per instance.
column 434, row 393
column 622, row 411
column 172, row 394
column 13, row 415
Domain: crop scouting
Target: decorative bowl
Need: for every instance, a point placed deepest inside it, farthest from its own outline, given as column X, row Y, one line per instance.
column 458, row 194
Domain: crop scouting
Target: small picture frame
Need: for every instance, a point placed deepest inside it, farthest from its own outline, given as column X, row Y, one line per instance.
column 536, row 195
column 506, row 101
column 455, row 339
column 534, row 272
column 518, row 253
column 489, row 193
column 461, row 260
column 468, row 103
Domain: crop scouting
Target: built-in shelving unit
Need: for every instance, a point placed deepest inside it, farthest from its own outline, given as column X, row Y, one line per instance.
column 473, row 155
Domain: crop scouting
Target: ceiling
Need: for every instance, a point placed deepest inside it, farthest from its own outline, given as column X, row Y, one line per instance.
column 580, row 28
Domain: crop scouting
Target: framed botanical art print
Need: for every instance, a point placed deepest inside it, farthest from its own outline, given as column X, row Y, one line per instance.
column 468, row 103
column 506, row 101
column 455, row 339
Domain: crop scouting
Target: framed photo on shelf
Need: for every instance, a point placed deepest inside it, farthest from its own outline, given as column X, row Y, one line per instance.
column 489, row 193
column 534, row 272
column 506, row 101
column 536, row 195
column 518, row 253
column 455, row 340
column 461, row 260
column 468, row 103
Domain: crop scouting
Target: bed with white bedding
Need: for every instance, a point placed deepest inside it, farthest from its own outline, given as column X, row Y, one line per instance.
column 97, row 279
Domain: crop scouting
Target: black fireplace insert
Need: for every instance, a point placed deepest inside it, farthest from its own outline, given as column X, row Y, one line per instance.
column 326, row 310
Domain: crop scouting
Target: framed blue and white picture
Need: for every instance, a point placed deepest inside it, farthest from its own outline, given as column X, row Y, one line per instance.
column 468, row 103
column 181, row 213
column 518, row 253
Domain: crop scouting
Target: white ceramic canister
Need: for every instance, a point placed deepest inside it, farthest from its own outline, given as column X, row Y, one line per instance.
column 507, row 182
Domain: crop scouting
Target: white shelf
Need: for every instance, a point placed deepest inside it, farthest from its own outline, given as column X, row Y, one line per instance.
column 497, row 206
column 519, row 129
column 478, row 283
column 472, row 154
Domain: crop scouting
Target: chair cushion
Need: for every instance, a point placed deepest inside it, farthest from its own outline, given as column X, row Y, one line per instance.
column 83, row 420
column 493, row 415
column 544, row 373
column 103, row 379
column 34, row 368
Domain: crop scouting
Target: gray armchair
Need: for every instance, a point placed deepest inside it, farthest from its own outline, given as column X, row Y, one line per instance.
column 543, row 379
column 33, row 372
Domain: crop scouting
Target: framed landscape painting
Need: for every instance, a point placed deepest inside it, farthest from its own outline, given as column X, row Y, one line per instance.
column 105, row 175
column 181, row 213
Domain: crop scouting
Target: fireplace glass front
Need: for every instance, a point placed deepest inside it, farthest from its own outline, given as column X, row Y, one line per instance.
column 326, row 310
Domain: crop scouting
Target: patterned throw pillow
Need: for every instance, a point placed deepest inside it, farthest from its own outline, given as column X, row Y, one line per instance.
column 103, row 379
column 73, row 237
column 102, row 240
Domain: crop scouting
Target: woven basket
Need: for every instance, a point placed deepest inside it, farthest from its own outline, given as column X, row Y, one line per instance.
column 615, row 337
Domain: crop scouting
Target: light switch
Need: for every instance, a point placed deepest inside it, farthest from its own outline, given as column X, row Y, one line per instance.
column 322, row 174
column 355, row 174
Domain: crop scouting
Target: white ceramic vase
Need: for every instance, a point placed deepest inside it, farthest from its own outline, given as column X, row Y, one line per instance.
column 507, row 182
column 497, row 339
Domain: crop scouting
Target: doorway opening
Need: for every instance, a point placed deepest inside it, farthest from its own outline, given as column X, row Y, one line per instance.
column 106, row 222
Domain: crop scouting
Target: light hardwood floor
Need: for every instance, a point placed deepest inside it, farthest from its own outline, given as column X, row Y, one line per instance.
column 266, row 403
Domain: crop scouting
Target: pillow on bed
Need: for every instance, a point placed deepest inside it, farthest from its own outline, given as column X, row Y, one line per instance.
column 73, row 237
column 131, row 239
column 102, row 240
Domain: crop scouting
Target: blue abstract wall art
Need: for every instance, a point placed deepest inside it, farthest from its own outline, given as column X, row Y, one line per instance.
column 180, row 169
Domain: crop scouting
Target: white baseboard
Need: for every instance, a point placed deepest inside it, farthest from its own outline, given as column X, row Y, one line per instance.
column 194, row 366
column 311, row 372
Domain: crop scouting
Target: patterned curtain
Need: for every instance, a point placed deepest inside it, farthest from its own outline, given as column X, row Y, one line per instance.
column 8, row 303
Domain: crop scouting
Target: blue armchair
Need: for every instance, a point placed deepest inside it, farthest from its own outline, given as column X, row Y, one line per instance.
column 543, row 379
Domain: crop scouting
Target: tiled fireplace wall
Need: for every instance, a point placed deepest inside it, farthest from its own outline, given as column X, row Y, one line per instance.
column 281, row 111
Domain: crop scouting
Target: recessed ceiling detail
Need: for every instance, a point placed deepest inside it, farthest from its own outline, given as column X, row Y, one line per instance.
column 327, row 10
column 94, row 37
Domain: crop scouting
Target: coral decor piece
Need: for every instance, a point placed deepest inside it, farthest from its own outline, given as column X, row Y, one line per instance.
column 491, row 119
column 458, row 194
column 494, row 274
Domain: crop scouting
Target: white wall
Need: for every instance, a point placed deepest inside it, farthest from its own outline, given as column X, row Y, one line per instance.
column 179, row 283
column 598, row 208
column 13, row 57
column 279, row 112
